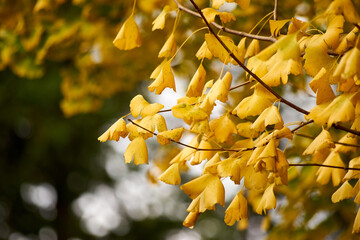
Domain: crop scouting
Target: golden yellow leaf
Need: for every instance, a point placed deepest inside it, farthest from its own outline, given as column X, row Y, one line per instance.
column 268, row 200
column 117, row 130
column 217, row 3
column 325, row 173
column 349, row 65
column 223, row 129
column 253, row 49
column 354, row 163
column 212, row 164
column 344, row 7
column 322, row 141
column 347, row 41
column 244, row 129
column 169, row 48
column 191, row 219
column 252, row 106
column 171, row 175
column 346, row 139
column 219, row 91
column 200, row 156
column 139, row 105
column 196, row 84
column 137, row 150
column 158, row 69
column 270, row 116
column 128, row 36
column 164, row 80
column 320, row 85
column 204, row 52
column 237, row 210
column 165, row 136
column 210, row 14
column 344, row 192
column 276, row 25
column 159, row 22
column 206, row 191
column 297, row 25
column 186, row 153
column 189, row 113
column 219, row 51
column 255, row 180
column 150, row 122
column 234, row 167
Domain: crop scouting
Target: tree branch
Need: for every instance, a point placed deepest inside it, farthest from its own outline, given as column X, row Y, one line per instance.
column 275, row 9
column 321, row 165
column 340, row 143
column 290, row 104
column 228, row 30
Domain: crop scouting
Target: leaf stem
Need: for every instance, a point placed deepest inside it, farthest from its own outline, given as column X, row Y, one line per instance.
column 228, row 30
column 275, row 9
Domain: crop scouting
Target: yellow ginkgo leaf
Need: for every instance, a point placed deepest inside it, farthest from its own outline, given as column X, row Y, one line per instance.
column 204, row 52
column 117, row 130
column 164, row 80
column 223, row 128
column 171, row 175
column 189, row 113
column 169, row 48
column 252, row 106
column 321, row 86
column 349, row 65
column 158, row 69
column 206, row 191
column 322, row 141
column 137, row 150
column 345, row 8
column 150, row 123
column 234, row 168
column 253, row 49
column 297, row 25
column 165, row 136
column 200, row 156
column 217, row 3
column 349, row 144
column 255, row 180
column 191, row 219
column 196, row 84
column 244, row 129
column 270, row 116
column 210, row 14
column 347, row 41
column 344, row 192
column 219, row 91
column 354, row 163
column 139, row 105
column 324, row 173
column 219, row 51
column 237, row 210
column 268, row 200
column 159, row 22
column 187, row 152
column 276, row 25
column 128, row 36
column 212, row 164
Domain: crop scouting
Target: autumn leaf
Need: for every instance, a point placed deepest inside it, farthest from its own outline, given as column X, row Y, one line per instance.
column 128, row 36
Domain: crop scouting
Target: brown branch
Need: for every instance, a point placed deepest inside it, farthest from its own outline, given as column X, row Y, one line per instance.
column 275, row 9
column 228, row 30
column 340, row 143
column 302, row 125
column 321, row 165
column 290, row 104
column 337, row 126
column 186, row 145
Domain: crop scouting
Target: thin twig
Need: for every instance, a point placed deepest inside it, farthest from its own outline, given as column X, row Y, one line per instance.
column 340, row 143
column 321, row 165
column 302, row 125
column 337, row 126
column 186, row 145
column 228, row 30
column 275, row 9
